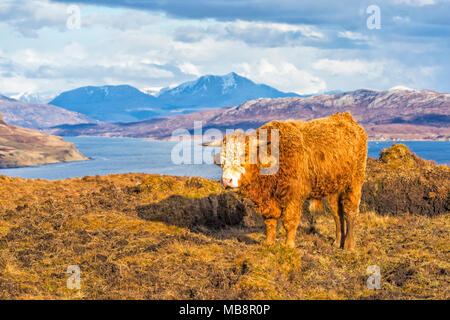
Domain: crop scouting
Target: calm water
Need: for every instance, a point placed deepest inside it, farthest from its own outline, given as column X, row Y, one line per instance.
column 121, row 155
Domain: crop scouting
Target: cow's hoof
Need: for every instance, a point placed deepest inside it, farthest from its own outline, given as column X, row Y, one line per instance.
column 348, row 245
column 290, row 245
column 337, row 244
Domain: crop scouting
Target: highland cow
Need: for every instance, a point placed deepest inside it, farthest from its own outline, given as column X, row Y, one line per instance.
column 316, row 160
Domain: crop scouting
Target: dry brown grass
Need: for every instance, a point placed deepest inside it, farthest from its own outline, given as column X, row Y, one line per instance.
column 46, row 226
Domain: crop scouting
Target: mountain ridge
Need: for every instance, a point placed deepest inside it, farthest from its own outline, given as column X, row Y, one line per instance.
column 396, row 114
column 126, row 103
column 106, row 103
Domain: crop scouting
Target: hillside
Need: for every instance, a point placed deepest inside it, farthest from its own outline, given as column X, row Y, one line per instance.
column 37, row 115
column 126, row 103
column 109, row 103
column 25, row 147
column 391, row 114
column 139, row 236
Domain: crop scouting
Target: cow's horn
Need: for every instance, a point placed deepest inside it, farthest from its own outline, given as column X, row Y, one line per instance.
column 216, row 143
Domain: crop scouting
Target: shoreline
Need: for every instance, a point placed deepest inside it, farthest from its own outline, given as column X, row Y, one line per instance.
column 63, row 169
column 194, row 138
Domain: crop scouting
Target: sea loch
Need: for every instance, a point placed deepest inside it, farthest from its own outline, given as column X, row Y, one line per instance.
column 122, row 155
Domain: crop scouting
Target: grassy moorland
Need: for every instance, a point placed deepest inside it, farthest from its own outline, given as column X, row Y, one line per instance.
column 139, row 236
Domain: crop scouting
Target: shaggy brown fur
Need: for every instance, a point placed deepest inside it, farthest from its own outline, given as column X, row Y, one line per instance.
column 323, row 158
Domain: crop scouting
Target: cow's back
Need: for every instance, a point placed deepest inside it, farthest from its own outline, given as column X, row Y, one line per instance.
column 326, row 155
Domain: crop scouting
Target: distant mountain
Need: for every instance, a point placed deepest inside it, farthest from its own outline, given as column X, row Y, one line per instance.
column 37, row 115
column 330, row 92
column 109, row 103
column 217, row 91
column 125, row 103
column 33, row 97
column 367, row 106
column 390, row 114
column 21, row 147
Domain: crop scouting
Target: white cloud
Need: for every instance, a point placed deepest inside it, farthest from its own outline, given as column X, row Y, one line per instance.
column 125, row 19
column 145, row 49
column 350, row 67
column 352, row 35
column 189, row 68
column 38, row 70
column 28, row 17
column 305, row 30
column 264, row 34
column 75, row 50
column 282, row 75
column 418, row 3
column 399, row 19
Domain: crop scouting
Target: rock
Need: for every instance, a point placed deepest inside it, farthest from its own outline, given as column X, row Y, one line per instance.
column 217, row 211
column 20, row 147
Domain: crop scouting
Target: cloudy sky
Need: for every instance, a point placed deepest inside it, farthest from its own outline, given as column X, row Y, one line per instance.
column 301, row 46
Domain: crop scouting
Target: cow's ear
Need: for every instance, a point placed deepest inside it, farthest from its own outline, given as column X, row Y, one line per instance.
column 217, row 159
column 254, row 142
column 263, row 142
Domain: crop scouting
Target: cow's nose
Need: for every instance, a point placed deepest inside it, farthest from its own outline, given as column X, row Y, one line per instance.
column 227, row 182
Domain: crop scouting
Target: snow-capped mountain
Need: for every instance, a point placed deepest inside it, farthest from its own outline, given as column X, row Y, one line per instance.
column 126, row 103
column 153, row 91
column 33, row 97
column 401, row 88
column 212, row 91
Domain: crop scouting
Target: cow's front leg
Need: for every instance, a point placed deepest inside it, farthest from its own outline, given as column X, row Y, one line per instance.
column 350, row 204
column 338, row 215
column 271, row 230
column 291, row 218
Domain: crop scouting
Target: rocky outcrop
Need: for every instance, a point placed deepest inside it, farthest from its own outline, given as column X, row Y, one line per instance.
column 400, row 182
column 20, row 147
column 216, row 211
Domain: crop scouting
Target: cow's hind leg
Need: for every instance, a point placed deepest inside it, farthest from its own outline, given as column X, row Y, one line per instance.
column 271, row 230
column 338, row 215
column 291, row 218
column 350, row 207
